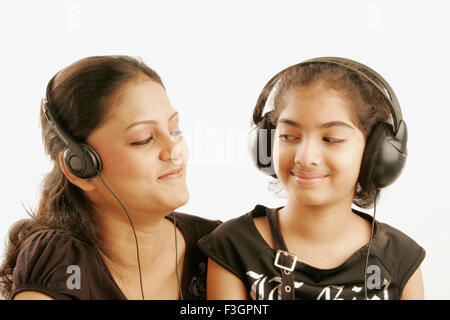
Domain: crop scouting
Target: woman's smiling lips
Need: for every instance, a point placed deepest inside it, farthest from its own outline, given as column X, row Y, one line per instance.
column 308, row 179
column 171, row 174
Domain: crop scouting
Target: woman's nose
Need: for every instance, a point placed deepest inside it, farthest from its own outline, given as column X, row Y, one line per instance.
column 308, row 153
column 171, row 148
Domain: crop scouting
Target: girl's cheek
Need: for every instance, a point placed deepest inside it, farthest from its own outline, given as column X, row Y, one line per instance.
column 283, row 160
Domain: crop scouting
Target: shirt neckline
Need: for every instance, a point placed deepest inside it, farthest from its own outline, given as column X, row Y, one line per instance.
column 350, row 260
column 184, row 268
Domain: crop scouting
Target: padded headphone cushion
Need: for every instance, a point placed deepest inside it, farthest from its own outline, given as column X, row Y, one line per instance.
column 261, row 143
column 87, row 165
column 377, row 137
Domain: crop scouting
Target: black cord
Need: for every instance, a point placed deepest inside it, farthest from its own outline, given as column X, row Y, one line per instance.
column 370, row 243
column 137, row 245
column 134, row 232
column 176, row 254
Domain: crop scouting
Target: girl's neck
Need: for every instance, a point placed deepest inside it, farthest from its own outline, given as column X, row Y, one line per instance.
column 317, row 224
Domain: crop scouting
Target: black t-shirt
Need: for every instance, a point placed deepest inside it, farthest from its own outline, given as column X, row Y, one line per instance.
column 49, row 262
column 238, row 246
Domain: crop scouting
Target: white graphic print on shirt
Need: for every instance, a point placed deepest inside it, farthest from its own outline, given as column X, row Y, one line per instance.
column 261, row 289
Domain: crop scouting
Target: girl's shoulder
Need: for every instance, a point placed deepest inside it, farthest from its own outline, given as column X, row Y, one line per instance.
column 241, row 225
column 236, row 243
column 395, row 248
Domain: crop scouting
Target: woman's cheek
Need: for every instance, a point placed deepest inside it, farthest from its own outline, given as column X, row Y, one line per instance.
column 180, row 153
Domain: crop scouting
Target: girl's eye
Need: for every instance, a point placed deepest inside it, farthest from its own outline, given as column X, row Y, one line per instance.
column 286, row 137
column 142, row 142
column 333, row 140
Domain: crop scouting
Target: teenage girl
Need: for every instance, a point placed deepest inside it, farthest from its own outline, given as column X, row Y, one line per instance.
column 105, row 227
column 334, row 138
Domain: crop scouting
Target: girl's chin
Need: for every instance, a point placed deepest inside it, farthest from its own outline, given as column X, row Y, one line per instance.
column 310, row 198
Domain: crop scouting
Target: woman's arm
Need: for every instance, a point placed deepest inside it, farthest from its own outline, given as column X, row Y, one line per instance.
column 414, row 287
column 32, row 295
column 221, row 284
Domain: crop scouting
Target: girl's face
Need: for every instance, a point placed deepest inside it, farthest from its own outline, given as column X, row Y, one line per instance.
column 142, row 151
column 317, row 147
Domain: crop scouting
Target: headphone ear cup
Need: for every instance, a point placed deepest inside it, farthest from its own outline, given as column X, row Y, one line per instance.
column 95, row 165
column 382, row 161
column 260, row 145
column 86, row 165
column 373, row 144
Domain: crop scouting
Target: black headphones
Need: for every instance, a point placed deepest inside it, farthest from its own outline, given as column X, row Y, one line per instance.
column 80, row 159
column 385, row 152
column 84, row 162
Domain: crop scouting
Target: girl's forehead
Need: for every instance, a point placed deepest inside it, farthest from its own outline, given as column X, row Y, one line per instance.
column 316, row 104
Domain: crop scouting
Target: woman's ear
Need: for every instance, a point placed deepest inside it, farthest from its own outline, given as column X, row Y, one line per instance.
column 83, row 184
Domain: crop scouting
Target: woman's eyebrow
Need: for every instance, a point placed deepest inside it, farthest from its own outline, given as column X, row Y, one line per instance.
column 151, row 122
column 321, row 126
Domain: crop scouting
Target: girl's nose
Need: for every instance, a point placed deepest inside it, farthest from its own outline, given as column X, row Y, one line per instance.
column 308, row 154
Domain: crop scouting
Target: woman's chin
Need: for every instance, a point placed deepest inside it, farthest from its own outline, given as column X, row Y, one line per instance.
column 178, row 200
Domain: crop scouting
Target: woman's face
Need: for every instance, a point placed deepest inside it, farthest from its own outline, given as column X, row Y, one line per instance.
column 317, row 147
column 142, row 151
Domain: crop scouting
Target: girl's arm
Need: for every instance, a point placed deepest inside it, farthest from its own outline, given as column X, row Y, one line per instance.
column 414, row 287
column 221, row 284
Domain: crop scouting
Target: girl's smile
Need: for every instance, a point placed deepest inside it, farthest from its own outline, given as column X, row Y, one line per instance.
column 317, row 147
column 308, row 179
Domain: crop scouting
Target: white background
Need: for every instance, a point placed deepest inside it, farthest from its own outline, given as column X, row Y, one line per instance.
column 214, row 58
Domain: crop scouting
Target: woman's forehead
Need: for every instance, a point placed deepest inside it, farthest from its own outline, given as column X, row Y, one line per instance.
column 142, row 100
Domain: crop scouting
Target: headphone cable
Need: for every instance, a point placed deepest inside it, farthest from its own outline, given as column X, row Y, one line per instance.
column 176, row 254
column 370, row 243
column 137, row 245
column 134, row 232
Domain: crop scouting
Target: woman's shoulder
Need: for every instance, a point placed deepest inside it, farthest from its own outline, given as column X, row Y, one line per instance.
column 45, row 261
column 186, row 218
column 192, row 222
column 44, row 243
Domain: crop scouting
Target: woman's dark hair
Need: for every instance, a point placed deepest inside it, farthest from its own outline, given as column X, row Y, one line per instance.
column 368, row 106
column 80, row 97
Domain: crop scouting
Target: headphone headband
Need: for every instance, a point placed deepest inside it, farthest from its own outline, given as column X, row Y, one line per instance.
column 59, row 129
column 387, row 92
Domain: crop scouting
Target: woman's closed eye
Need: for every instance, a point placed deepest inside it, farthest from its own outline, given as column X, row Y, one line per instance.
column 174, row 133
column 142, row 142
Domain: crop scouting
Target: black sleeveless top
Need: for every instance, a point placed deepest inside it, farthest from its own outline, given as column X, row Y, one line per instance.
column 238, row 246
column 48, row 262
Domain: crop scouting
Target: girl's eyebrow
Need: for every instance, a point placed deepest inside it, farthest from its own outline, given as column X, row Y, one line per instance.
column 321, row 126
column 151, row 122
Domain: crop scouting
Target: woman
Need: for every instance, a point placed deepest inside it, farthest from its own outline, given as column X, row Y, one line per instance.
column 109, row 232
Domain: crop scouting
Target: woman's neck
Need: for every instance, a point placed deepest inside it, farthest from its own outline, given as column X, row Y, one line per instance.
column 118, row 239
